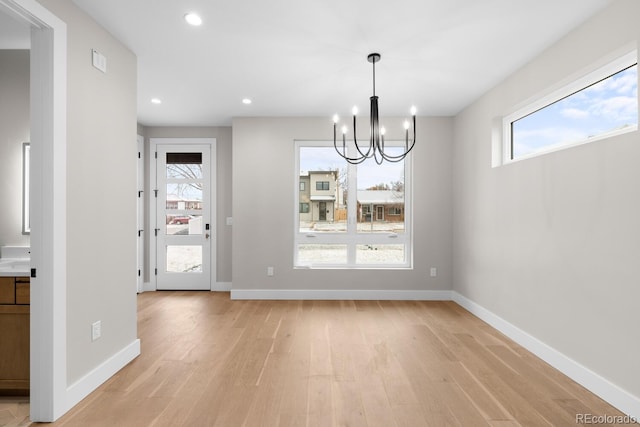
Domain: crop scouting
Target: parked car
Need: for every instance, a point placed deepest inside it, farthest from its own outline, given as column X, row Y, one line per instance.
column 181, row 219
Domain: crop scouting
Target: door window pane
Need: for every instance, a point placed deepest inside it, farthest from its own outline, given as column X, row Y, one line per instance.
column 184, row 259
column 184, row 165
column 184, row 196
column 182, row 224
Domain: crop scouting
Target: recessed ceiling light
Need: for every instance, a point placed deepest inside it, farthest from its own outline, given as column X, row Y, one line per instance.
column 193, row 19
column 246, row 101
column 156, row 101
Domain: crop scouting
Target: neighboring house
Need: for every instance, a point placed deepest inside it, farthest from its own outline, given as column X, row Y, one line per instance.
column 176, row 202
column 380, row 205
column 318, row 195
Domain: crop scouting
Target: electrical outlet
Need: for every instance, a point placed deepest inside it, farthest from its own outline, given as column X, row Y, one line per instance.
column 96, row 330
column 270, row 271
column 433, row 272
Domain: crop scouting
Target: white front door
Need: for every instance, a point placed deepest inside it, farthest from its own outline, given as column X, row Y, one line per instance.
column 183, row 216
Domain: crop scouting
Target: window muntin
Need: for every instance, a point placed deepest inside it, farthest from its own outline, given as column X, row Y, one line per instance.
column 304, row 207
column 341, row 238
column 601, row 104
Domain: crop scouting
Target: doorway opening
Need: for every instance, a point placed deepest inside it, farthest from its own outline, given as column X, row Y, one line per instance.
column 48, row 109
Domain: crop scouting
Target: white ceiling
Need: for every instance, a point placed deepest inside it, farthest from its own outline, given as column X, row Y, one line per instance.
column 308, row 57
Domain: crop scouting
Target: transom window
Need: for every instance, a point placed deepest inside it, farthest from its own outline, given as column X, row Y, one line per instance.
column 357, row 216
column 601, row 104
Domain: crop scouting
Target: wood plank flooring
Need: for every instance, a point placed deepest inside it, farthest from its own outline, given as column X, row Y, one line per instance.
column 210, row 361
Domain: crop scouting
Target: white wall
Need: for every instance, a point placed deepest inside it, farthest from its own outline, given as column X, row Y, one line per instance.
column 263, row 209
column 14, row 130
column 222, row 182
column 101, row 196
column 552, row 244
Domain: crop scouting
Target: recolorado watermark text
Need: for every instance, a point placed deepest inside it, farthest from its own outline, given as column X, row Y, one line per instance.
column 605, row 419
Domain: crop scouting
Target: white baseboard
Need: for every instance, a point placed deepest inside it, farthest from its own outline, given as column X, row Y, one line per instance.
column 616, row 396
column 85, row 385
column 221, row 287
column 215, row 287
column 339, row 294
column 148, row 287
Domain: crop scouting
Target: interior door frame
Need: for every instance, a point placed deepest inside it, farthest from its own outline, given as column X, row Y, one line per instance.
column 140, row 214
column 49, row 397
column 153, row 256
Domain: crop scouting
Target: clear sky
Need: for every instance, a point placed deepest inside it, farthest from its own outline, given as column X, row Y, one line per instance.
column 603, row 107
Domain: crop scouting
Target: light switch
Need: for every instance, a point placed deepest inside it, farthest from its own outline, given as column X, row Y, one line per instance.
column 98, row 60
column 96, row 330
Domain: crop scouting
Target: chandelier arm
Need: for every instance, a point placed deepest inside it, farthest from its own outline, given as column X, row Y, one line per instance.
column 368, row 154
column 355, row 141
column 343, row 154
column 352, row 160
column 335, row 144
column 399, row 157
column 408, row 147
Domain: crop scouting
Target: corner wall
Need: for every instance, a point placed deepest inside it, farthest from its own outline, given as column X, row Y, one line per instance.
column 551, row 244
column 264, row 212
column 101, row 202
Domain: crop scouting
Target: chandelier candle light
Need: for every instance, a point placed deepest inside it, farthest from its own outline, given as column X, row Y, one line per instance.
column 376, row 133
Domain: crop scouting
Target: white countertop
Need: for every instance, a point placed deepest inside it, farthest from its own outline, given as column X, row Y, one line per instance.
column 15, row 267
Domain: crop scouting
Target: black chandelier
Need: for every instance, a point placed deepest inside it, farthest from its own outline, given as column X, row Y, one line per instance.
column 376, row 137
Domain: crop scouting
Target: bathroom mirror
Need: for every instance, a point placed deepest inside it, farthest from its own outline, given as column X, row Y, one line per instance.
column 26, row 221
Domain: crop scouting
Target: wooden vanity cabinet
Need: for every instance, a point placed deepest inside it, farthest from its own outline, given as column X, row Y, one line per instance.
column 14, row 335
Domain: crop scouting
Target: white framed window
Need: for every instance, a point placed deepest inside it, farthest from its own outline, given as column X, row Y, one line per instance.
column 598, row 105
column 346, row 225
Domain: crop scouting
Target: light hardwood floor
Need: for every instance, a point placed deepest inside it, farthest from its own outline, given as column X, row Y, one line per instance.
column 210, row 361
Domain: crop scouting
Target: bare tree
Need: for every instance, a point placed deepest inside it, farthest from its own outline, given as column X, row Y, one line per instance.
column 186, row 171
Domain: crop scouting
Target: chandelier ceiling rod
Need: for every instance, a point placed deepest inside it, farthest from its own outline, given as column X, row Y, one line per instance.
column 376, row 133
